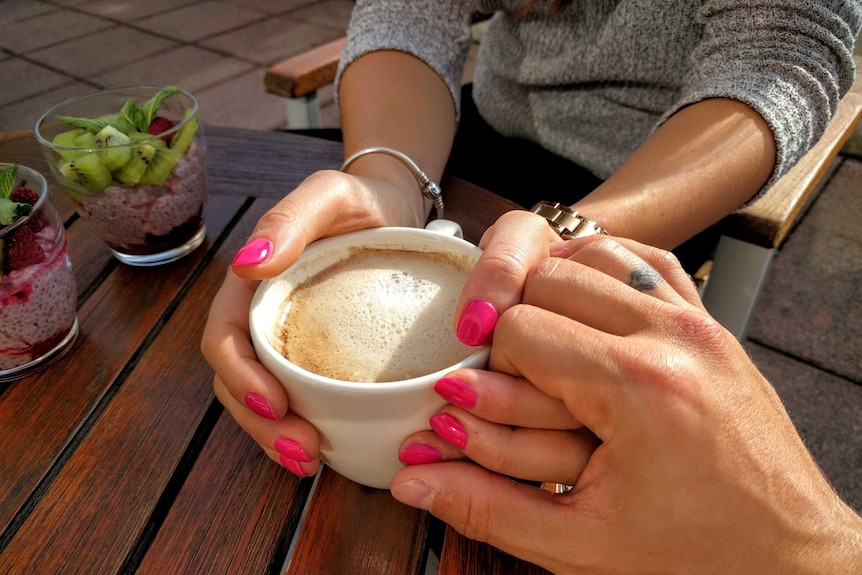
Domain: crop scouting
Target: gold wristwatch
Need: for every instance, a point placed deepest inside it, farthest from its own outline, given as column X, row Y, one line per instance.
column 566, row 221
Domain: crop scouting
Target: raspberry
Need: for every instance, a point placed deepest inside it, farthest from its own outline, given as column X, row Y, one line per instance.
column 161, row 124
column 24, row 196
column 28, row 196
column 22, row 250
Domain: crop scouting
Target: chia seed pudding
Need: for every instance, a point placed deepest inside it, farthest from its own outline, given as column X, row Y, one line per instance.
column 37, row 309
column 37, row 286
column 133, row 161
column 143, row 220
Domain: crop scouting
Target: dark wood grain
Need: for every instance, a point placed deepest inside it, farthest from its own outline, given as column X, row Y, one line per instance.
column 39, row 415
column 118, row 459
column 108, row 488
column 265, row 164
column 250, row 502
column 462, row 556
column 354, row 530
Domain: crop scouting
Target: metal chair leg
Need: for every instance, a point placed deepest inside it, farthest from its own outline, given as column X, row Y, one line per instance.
column 731, row 291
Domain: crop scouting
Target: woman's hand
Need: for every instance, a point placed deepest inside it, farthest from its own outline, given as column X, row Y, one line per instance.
column 327, row 203
column 512, row 246
column 694, row 465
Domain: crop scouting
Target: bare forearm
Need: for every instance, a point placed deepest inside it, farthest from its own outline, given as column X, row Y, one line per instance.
column 700, row 165
column 393, row 99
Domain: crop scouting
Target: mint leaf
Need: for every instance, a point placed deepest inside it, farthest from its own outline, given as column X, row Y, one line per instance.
column 88, row 124
column 130, row 119
column 8, row 178
column 11, row 211
column 150, row 109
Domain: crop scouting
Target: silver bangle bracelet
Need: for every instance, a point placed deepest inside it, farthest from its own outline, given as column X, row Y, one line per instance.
column 430, row 188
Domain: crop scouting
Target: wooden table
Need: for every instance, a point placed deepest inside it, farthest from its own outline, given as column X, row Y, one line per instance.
column 118, row 459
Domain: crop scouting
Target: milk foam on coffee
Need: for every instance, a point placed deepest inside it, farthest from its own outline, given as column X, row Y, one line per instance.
column 378, row 315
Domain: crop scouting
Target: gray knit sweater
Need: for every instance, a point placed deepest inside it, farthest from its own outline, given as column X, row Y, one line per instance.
column 592, row 83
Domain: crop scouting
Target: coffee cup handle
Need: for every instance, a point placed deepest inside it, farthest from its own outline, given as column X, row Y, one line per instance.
column 445, row 227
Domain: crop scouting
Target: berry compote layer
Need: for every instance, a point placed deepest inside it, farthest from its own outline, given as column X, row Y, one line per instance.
column 37, row 301
column 142, row 220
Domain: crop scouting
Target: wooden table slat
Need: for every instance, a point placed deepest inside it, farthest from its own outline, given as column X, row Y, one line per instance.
column 462, row 556
column 350, row 529
column 106, row 489
column 118, row 459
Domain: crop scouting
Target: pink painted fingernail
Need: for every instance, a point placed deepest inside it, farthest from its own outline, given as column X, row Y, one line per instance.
column 476, row 323
column 292, row 466
column 449, row 429
column 292, row 449
column 254, row 252
column 417, row 453
column 260, row 406
column 456, row 392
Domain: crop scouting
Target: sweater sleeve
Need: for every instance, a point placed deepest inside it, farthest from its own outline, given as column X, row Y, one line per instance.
column 790, row 60
column 438, row 33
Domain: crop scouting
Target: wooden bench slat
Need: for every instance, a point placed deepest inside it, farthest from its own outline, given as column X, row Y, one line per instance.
column 305, row 73
column 767, row 221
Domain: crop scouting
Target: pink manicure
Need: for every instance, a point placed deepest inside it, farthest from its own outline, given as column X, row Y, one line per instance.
column 292, row 466
column 476, row 323
column 260, row 406
column 456, row 392
column 254, row 252
column 418, row 453
column 291, row 449
column 449, row 429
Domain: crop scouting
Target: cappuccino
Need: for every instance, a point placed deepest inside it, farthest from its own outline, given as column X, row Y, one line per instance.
column 379, row 315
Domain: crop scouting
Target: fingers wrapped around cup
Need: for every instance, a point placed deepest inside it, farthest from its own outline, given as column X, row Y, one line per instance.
column 522, row 419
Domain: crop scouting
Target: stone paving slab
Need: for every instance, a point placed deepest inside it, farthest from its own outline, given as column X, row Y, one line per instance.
column 94, row 53
column 329, row 13
column 827, row 412
column 17, row 10
column 208, row 19
column 131, row 10
column 189, row 67
column 48, row 29
column 272, row 40
column 811, row 305
column 271, row 7
column 22, row 115
column 242, row 103
column 22, row 79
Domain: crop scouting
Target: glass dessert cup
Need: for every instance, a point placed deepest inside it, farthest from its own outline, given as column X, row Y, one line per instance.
column 38, row 321
column 133, row 160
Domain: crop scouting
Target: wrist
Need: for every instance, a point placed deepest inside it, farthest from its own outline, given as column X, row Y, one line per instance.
column 429, row 189
column 833, row 547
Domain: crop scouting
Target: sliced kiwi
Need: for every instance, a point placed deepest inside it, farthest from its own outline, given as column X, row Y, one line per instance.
column 130, row 173
column 85, row 174
column 86, row 141
column 67, row 140
column 114, row 150
column 147, row 138
column 159, row 168
column 184, row 135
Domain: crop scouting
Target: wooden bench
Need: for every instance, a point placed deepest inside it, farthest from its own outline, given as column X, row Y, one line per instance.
column 750, row 236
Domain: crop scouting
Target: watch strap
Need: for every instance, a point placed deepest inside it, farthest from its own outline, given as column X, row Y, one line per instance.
column 567, row 222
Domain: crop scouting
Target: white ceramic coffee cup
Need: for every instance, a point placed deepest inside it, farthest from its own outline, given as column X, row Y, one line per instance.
column 361, row 425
